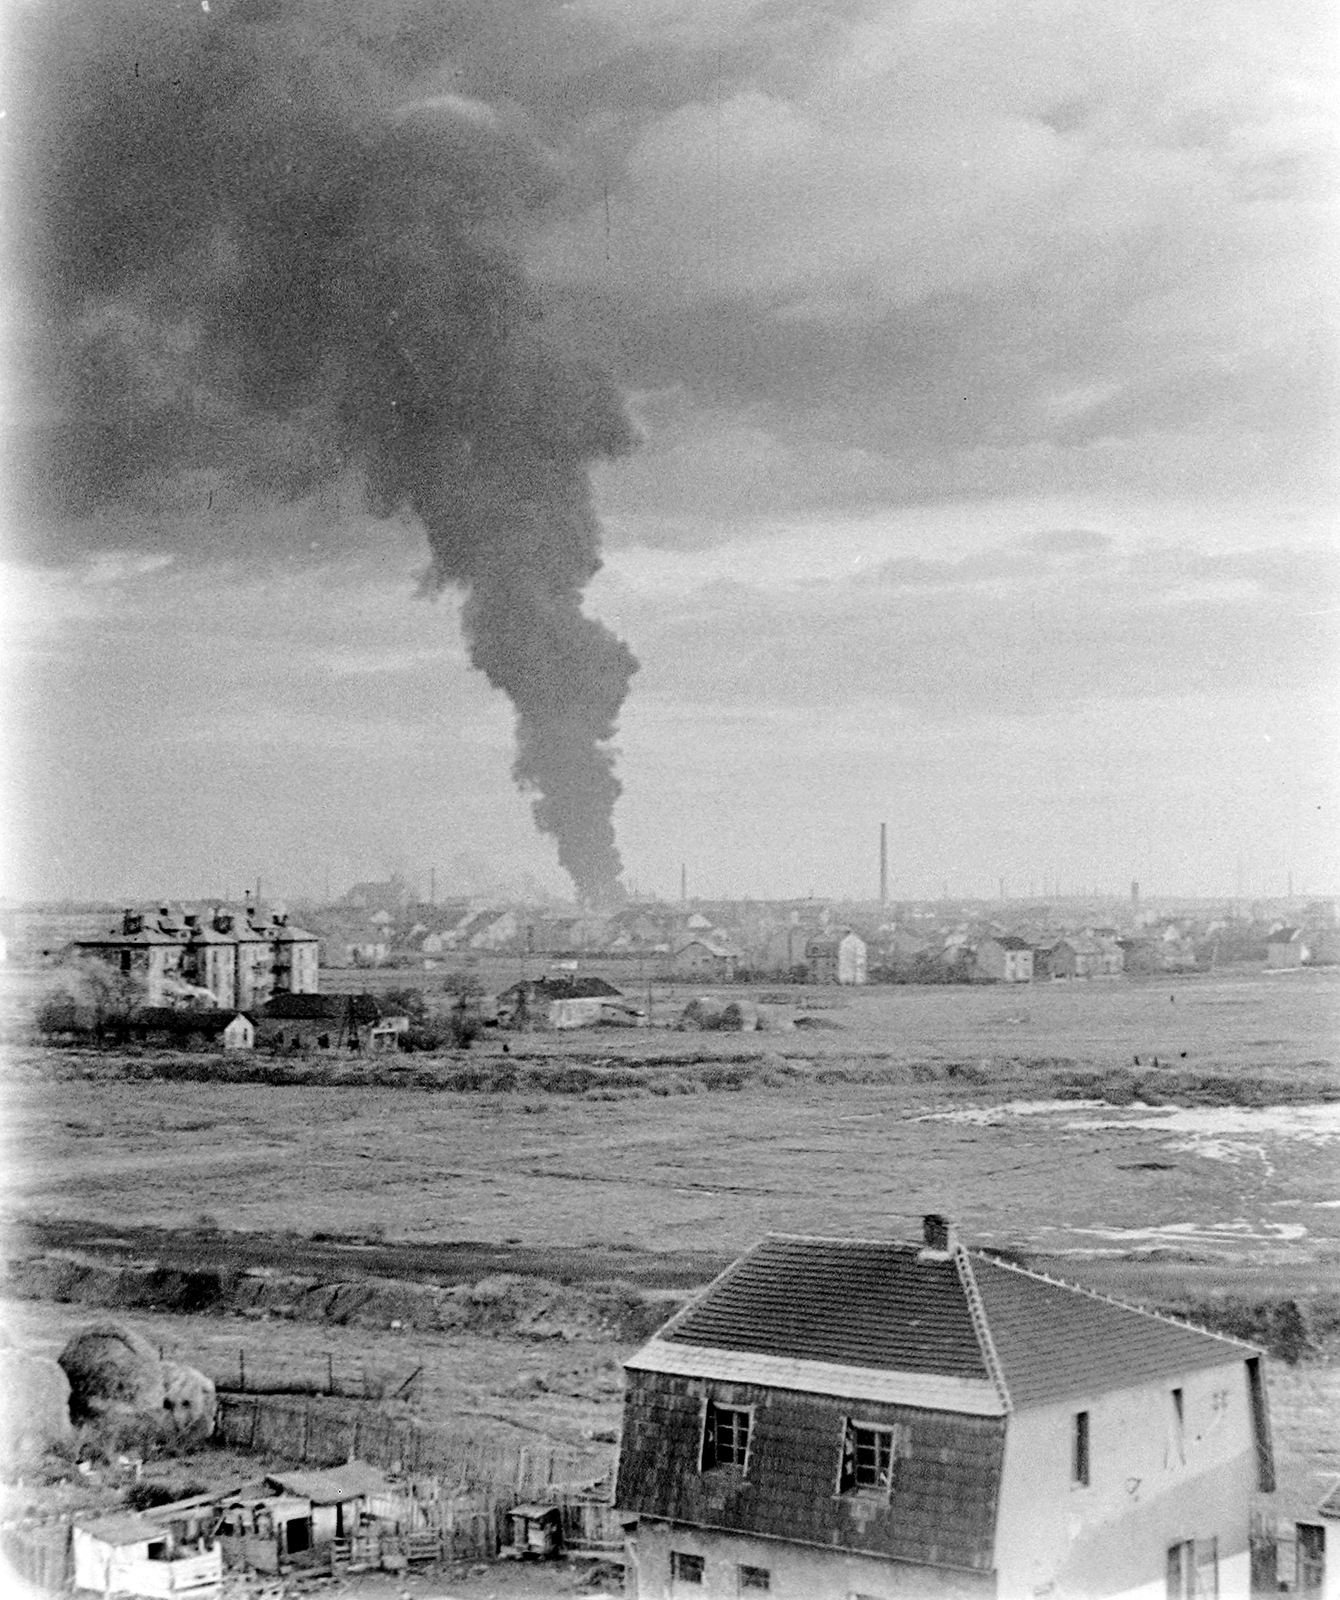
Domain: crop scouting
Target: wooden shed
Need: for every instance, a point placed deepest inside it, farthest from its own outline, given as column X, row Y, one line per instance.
column 128, row 1553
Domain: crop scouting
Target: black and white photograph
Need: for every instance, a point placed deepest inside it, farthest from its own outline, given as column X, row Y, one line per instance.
column 670, row 801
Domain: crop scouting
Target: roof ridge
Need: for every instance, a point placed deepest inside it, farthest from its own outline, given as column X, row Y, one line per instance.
column 980, row 1325
column 828, row 1238
column 1124, row 1305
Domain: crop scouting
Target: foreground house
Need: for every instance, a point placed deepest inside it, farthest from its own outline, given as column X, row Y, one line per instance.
column 838, row 1418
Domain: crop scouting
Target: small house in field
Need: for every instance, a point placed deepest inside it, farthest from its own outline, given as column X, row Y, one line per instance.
column 1285, row 948
column 840, row 1417
column 318, row 1021
column 704, row 955
column 186, row 1029
column 128, row 1553
column 836, row 958
column 571, row 1001
column 1003, row 958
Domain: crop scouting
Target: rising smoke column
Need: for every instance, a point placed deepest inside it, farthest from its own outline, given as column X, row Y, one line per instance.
column 258, row 260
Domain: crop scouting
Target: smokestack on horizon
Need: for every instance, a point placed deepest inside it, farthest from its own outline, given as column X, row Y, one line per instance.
column 255, row 262
column 883, row 864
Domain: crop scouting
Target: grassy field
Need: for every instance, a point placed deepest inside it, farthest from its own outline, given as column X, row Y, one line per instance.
column 897, row 1105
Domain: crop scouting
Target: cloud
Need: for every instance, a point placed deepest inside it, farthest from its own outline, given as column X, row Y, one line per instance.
column 1014, row 629
column 964, row 231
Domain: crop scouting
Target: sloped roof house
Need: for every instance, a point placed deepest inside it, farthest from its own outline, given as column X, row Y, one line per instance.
column 837, row 1418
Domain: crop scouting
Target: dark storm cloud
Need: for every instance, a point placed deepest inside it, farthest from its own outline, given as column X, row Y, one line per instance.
column 257, row 256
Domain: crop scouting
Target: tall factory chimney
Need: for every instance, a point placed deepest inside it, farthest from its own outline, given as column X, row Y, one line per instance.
column 883, row 864
column 683, row 883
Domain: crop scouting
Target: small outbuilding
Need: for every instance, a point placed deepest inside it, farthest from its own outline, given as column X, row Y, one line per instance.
column 1286, row 947
column 264, row 1530
column 536, row 1533
column 1003, row 958
column 837, row 958
column 134, row 1554
column 340, row 1497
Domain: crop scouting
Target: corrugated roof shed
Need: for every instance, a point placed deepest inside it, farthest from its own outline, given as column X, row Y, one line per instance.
column 849, row 1301
column 335, row 1484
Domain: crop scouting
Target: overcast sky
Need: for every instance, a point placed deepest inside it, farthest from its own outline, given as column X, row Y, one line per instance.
column 983, row 361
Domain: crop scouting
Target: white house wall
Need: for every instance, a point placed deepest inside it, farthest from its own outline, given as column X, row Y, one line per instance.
column 795, row 1572
column 1111, row 1538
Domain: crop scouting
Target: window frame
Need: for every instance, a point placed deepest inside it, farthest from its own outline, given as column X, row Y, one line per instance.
column 750, row 1585
column 692, row 1560
column 897, row 1436
column 1081, row 1450
column 747, row 1412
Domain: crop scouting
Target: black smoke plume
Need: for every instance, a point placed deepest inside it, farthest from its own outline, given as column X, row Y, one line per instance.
column 262, row 250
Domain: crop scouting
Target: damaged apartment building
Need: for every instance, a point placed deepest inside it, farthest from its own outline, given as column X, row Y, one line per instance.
column 236, row 960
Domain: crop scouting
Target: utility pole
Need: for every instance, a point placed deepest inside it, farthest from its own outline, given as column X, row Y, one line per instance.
column 883, row 865
column 432, row 886
column 683, row 884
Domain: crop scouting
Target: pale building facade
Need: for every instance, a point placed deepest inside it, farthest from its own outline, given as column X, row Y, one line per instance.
column 224, row 957
column 1004, row 958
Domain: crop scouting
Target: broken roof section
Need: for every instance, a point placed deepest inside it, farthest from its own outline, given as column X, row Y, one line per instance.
column 945, row 1329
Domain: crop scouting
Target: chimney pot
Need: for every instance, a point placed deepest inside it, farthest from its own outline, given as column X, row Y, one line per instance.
column 937, row 1233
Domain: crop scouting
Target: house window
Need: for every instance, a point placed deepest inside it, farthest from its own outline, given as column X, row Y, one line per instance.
column 1309, row 1560
column 685, row 1568
column 1193, row 1570
column 725, row 1436
column 1079, row 1449
column 868, row 1455
column 754, row 1578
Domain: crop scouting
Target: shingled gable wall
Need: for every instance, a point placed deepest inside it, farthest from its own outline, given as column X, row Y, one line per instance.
column 940, row 1511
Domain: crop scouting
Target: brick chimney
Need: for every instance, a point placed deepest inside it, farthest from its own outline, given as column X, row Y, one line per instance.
column 937, row 1235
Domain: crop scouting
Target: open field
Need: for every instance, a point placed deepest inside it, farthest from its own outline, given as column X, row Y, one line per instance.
column 982, row 1103
column 651, row 1157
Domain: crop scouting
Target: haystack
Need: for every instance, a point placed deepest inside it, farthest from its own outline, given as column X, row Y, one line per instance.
column 111, row 1368
column 34, row 1405
column 189, row 1399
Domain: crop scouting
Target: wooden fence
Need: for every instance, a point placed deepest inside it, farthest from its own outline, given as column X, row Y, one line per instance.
column 460, row 1483
column 324, row 1434
column 40, row 1555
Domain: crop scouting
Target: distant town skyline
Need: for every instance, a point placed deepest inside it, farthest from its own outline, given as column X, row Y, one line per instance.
column 983, row 368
